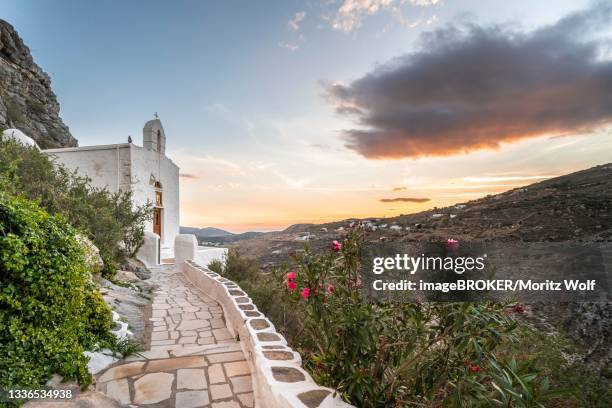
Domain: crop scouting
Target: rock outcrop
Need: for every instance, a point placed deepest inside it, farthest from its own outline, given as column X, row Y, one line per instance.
column 27, row 102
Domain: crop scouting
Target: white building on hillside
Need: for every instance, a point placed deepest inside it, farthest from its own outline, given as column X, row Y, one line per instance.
column 146, row 171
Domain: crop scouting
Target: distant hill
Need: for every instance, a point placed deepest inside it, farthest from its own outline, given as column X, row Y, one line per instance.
column 217, row 235
column 577, row 206
column 206, row 232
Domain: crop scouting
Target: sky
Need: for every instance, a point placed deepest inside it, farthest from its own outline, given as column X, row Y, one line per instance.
column 284, row 112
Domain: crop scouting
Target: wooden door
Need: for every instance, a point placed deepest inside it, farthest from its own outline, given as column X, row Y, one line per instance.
column 157, row 220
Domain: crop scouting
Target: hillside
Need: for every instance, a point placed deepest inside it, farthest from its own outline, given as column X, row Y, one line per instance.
column 574, row 207
column 205, row 232
column 27, row 101
column 211, row 235
column 577, row 206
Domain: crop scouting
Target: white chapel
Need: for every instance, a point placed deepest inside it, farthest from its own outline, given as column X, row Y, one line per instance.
column 145, row 171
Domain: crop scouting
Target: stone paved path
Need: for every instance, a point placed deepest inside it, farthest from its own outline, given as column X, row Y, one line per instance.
column 192, row 361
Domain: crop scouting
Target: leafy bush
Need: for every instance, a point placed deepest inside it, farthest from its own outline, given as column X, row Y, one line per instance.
column 13, row 111
column 411, row 354
column 401, row 354
column 36, row 106
column 50, row 311
column 216, row 265
column 108, row 219
column 431, row 354
column 126, row 347
column 580, row 385
column 235, row 267
column 262, row 288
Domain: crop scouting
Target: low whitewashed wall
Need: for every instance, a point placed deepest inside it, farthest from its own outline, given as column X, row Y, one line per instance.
column 205, row 255
column 185, row 248
column 148, row 253
column 279, row 381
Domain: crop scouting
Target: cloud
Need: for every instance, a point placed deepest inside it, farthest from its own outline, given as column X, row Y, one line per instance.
column 294, row 23
column 189, row 176
column 350, row 13
column 263, row 165
column 321, row 146
column 288, row 46
column 404, row 200
column 471, row 87
column 222, row 165
column 290, row 181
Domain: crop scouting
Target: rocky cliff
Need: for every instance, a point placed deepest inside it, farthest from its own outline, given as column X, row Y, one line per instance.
column 26, row 99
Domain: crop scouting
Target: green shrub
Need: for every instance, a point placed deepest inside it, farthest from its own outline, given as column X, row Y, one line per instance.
column 49, row 310
column 262, row 288
column 216, row 265
column 400, row 353
column 109, row 220
column 580, row 384
column 235, row 267
column 13, row 111
column 126, row 347
column 430, row 354
column 36, row 106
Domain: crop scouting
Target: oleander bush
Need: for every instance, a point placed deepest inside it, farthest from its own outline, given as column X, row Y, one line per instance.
column 109, row 220
column 400, row 354
column 50, row 311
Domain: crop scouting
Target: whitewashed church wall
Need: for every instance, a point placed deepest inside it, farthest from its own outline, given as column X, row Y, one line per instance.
column 170, row 181
column 106, row 166
column 147, row 163
column 129, row 167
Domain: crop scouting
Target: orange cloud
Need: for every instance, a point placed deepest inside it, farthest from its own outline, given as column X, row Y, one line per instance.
column 472, row 88
column 404, row 200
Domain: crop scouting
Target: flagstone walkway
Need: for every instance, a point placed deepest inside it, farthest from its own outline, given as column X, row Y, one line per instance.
column 192, row 361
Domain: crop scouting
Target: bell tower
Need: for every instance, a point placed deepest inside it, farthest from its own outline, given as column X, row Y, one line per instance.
column 153, row 136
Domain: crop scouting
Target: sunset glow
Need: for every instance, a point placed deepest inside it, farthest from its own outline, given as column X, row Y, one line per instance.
column 332, row 110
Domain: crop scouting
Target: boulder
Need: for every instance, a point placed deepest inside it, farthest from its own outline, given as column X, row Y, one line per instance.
column 20, row 137
column 126, row 276
column 93, row 260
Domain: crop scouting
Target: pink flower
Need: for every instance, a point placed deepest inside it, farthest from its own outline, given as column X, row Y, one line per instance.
column 292, row 286
column 336, row 246
column 305, row 293
column 291, row 276
column 330, row 288
column 452, row 244
column 355, row 283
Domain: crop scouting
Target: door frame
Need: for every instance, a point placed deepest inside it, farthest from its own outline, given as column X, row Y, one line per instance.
column 158, row 215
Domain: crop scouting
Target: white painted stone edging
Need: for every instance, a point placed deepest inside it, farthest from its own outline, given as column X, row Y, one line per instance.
column 99, row 360
column 279, row 381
